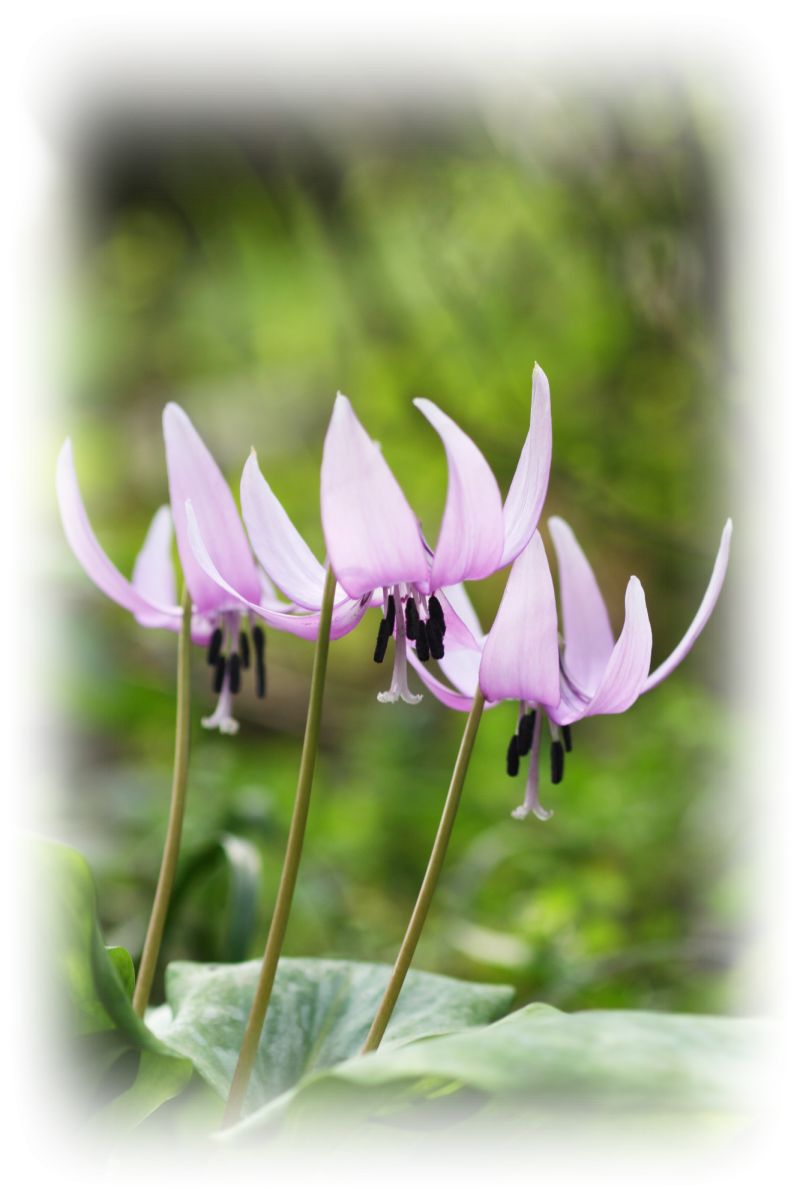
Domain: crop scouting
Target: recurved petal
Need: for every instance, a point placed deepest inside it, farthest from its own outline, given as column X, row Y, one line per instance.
column 344, row 618
column 520, row 658
column 470, row 542
column 269, row 596
column 459, row 636
column 89, row 554
column 462, row 667
column 193, row 475
column 153, row 572
column 440, row 690
column 460, row 601
column 703, row 613
column 589, row 640
column 630, row 659
column 278, row 546
column 528, row 489
column 371, row 534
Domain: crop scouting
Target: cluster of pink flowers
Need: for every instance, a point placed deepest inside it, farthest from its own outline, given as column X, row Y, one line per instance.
column 381, row 559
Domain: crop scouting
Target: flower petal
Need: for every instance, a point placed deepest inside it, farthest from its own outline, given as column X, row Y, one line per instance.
column 92, row 558
column 153, row 572
column 528, row 489
column 470, row 541
column 277, row 545
column 520, row 658
column 462, row 668
column 371, row 534
column 703, row 613
column 440, row 690
column 269, row 596
column 344, row 618
column 456, row 593
column 193, row 475
column 589, row 640
column 630, row 660
column 458, row 635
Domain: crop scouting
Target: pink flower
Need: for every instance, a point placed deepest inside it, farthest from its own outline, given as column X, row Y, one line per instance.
column 375, row 542
column 377, row 550
column 520, row 658
column 151, row 594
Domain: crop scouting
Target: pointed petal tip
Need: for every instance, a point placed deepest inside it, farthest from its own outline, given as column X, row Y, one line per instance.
column 703, row 613
column 172, row 412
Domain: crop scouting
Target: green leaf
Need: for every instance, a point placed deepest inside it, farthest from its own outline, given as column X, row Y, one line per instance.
column 319, row 1015
column 531, row 1064
column 113, row 1061
column 236, row 862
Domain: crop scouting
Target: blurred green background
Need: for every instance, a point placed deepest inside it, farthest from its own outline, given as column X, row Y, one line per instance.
column 249, row 266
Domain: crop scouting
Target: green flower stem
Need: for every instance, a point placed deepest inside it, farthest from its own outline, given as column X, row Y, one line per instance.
column 291, row 863
column 431, row 879
column 169, row 862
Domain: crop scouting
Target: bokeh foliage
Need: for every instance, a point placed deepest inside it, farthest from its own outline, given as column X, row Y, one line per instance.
column 249, row 270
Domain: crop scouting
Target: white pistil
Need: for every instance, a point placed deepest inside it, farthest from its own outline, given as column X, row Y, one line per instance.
column 399, row 689
column 532, row 803
column 221, row 718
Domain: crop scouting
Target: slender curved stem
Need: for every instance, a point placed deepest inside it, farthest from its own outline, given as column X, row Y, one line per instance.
column 291, row 863
column 172, row 845
column 429, row 882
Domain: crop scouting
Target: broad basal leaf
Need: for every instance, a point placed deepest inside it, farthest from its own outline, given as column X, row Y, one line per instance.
column 319, row 1015
column 539, row 1060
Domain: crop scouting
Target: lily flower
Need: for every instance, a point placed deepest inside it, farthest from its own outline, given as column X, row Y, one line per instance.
column 151, row 594
column 520, row 658
column 288, row 563
column 477, row 537
column 375, row 542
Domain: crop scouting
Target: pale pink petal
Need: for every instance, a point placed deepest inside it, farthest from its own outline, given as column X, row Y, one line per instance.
column 588, row 638
column 627, row 668
column 528, row 489
column 153, row 572
column 440, row 690
column 269, row 596
column 344, row 618
column 462, row 667
column 470, row 541
column 371, row 534
column 456, row 594
column 277, row 545
column 567, row 711
column 92, row 558
column 458, row 635
column 703, row 613
column 193, row 475
column 520, row 658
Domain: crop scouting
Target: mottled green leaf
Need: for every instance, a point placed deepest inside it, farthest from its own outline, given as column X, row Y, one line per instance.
column 319, row 1015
